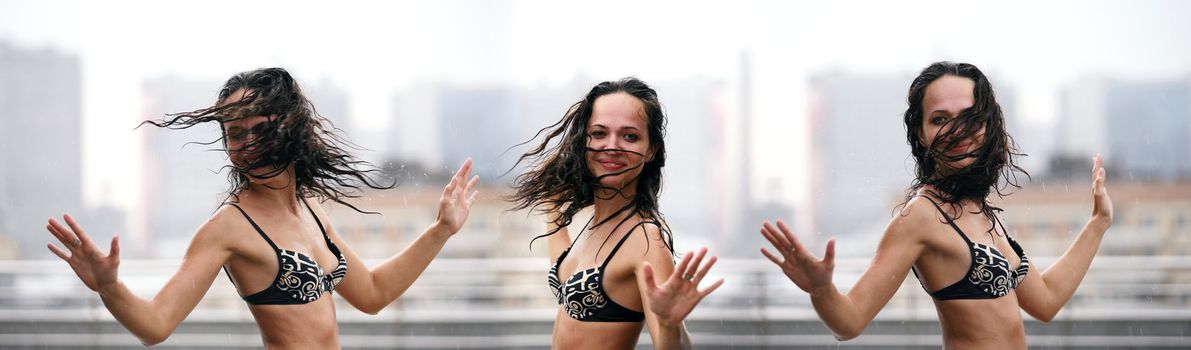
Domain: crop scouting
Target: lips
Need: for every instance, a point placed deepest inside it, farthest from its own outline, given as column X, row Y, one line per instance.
column 610, row 164
column 963, row 147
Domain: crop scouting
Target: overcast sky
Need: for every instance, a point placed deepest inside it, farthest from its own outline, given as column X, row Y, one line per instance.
column 374, row 49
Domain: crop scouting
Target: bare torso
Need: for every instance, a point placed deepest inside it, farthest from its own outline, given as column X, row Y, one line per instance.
column 969, row 323
column 254, row 266
column 620, row 284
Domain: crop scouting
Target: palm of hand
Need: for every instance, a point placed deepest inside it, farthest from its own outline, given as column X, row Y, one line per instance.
column 806, row 270
column 455, row 204
column 93, row 268
column 674, row 299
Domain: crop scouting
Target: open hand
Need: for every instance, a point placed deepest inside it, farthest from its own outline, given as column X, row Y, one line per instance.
column 808, row 271
column 95, row 269
column 674, row 299
column 1101, row 204
column 457, row 198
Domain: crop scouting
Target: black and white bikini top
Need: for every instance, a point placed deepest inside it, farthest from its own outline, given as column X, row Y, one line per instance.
column 989, row 275
column 299, row 278
column 583, row 296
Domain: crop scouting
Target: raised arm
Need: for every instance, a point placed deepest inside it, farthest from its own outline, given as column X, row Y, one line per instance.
column 846, row 315
column 370, row 290
column 150, row 320
column 1042, row 295
column 668, row 304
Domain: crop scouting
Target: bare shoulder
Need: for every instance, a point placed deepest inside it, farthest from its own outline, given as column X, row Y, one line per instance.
column 649, row 238
column 913, row 219
column 224, row 227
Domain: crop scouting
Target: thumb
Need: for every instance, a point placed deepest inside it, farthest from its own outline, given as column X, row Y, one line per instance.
column 829, row 255
column 647, row 274
column 114, row 251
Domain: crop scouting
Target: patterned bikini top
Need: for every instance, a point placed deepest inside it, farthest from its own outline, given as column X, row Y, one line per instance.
column 583, row 296
column 299, row 278
column 989, row 275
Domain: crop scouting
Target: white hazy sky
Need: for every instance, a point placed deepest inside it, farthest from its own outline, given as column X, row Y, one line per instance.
column 373, row 49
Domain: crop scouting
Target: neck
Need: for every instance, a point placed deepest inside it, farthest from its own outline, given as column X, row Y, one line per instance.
column 276, row 192
column 608, row 201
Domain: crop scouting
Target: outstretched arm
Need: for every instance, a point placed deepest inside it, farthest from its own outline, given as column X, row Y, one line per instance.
column 150, row 320
column 1043, row 295
column 847, row 314
column 370, row 290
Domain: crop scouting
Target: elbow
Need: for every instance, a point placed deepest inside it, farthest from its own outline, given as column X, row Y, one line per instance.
column 371, row 308
column 847, row 332
column 1042, row 315
column 845, row 336
column 153, row 339
column 1045, row 317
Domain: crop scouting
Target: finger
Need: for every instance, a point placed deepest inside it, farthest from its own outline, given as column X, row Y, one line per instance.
column 686, row 260
column 49, row 226
column 647, row 274
column 1103, row 178
column 1096, row 161
column 78, row 230
column 769, row 237
column 64, row 235
column 450, row 188
column 472, row 199
column 771, row 257
column 471, row 185
column 703, row 270
column 693, row 267
column 780, row 242
column 58, row 252
column 789, row 234
column 464, row 170
column 711, row 288
column 829, row 255
column 114, row 250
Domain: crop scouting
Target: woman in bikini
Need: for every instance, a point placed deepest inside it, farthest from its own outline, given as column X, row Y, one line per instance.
column 948, row 233
column 275, row 245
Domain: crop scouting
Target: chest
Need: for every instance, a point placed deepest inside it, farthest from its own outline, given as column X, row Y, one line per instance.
column 975, row 236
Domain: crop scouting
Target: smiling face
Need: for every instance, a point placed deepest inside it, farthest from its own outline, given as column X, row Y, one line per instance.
column 618, row 140
column 944, row 100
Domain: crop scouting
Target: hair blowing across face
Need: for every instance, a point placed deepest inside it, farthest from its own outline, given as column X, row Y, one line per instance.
column 559, row 178
column 294, row 135
column 994, row 168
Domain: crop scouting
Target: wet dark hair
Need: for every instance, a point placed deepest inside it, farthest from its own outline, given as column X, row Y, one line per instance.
column 295, row 134
column 995, row 166
column 560, row 179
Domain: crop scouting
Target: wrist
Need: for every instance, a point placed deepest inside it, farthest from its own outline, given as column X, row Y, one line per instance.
column 822, row 291
column 108, row 289
column 662, row 321
column 1099, row 222
column 440, row 230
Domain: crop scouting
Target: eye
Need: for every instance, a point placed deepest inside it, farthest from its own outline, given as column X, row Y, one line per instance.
column 598, row 134
column 631, row 137
column 236, row 134
column 938, row 120
column 260, row 129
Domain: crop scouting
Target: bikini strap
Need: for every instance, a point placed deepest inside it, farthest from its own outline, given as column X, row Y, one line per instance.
column 255, row 226
column 316, row 220
column 949, row 221
column 628, row 234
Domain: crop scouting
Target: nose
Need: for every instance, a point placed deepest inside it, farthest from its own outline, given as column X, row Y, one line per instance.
column 615, row 142
column 607, row 144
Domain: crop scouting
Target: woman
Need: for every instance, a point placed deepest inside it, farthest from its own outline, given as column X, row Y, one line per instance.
column 974, row 270
column 609, row 157
column 276, row 247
